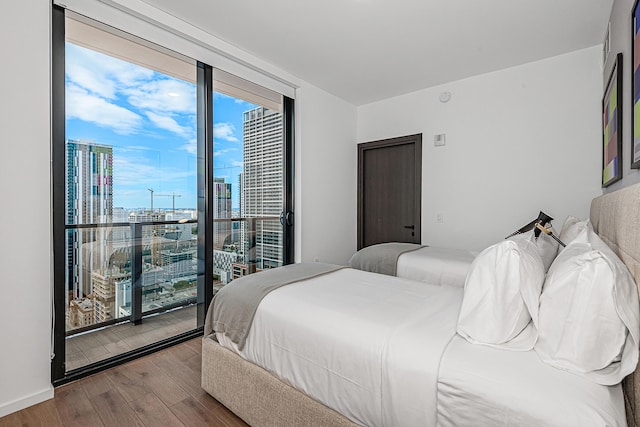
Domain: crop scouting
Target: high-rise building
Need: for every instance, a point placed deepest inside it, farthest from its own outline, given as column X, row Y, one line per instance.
column 221, row 210
column 104, row 293
column 262, row 186
column 89, row 177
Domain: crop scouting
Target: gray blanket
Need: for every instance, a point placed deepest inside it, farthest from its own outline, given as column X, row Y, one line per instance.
column 232, row 310
column 381, row 258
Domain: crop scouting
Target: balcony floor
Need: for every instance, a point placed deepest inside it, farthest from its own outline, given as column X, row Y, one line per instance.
column 104, row 343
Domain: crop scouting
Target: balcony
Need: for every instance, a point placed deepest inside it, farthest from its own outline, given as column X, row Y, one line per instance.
column 131, row 284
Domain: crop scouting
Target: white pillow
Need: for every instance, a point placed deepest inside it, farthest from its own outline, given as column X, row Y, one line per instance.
column 501, row 296
column 546, row 246
column 589, row 319
column 572, row 227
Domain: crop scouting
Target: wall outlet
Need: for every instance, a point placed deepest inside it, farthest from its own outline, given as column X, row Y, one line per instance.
column 440, row 217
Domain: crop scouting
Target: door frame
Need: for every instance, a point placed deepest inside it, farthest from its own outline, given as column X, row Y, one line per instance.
column 416, row 140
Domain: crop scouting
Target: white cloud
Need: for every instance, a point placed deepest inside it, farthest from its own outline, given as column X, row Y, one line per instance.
column 169, row 123
column 102, row 74
column 80, row 104
column 164, row 95
column 237, row 163
column 131, row 171
column 91, row 81
column 224, row 151
column 225, row 131
column 191, row 147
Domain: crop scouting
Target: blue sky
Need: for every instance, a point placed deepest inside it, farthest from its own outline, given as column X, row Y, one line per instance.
column 150, row 120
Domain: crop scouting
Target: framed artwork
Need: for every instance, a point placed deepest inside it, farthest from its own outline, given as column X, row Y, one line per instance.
column 612, row 126
column 635, row 86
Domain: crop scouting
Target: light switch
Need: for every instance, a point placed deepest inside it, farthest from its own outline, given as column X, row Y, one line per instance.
column 439, row 140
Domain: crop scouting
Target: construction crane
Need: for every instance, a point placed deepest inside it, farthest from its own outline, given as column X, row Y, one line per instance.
column 173, row 200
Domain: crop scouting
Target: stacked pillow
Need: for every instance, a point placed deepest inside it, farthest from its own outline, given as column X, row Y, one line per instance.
column 584, row 317
column 589, row 321
column 572, row 227
column 501, row 295
column 545, row 245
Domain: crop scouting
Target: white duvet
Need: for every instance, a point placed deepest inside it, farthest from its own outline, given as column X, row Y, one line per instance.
column 435, row 265
column 484, row 386
column 365, row 344
column 383, row 351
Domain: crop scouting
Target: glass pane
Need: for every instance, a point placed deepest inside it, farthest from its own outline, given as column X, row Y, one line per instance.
column 248, row 159
column 130, row 194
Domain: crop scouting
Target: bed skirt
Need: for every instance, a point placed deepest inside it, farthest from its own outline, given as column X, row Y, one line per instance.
column 258, row 397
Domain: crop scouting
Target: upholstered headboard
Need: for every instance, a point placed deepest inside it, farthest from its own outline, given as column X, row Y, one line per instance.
column 616, row 218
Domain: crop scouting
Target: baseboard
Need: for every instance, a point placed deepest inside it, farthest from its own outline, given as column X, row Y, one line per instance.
column 25, row 402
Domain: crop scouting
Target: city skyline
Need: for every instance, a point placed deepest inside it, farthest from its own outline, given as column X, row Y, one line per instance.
column 150, row 121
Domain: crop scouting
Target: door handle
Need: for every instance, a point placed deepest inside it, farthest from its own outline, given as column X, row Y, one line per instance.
column 286, row 219
column 412, row 227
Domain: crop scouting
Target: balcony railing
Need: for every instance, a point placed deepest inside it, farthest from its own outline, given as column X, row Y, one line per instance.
column 125, row 271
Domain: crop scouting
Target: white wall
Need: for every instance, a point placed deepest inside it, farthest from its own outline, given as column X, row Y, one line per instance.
column 25, row 286
column 326, row 178
column 519, row 140
column 620, row 42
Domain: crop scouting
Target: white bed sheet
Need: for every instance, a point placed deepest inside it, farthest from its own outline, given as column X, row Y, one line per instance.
column 365, row 344
column 435, row 265
column 484, row 386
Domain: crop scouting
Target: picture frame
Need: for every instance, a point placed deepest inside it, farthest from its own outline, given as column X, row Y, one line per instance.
column 635, row 86
column 612, row 126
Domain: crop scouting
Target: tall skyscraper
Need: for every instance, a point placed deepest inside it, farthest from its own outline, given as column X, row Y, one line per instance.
column 261, row 192
column 221, row 210
column 89, row 176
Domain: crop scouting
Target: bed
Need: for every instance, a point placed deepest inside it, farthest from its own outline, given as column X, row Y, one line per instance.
column 371, row 371
column 444, row 266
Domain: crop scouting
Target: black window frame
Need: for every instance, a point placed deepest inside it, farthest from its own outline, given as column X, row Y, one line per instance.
column 205, row 186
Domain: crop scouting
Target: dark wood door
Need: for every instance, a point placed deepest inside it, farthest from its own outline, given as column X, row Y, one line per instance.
column 389, row 190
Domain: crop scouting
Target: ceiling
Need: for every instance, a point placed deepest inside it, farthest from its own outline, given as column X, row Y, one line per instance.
column 368, row 50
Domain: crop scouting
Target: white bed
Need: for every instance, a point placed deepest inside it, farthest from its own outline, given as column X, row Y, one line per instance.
column 484, row 386
column 358, row 348
column 382, row 351
column 348, row 339
column 430, row 264
column 444, row 266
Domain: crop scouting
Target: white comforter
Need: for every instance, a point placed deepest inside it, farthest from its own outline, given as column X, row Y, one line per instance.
column 382, row 351
column 435, row 265
column 365, row 344
column 484, row 386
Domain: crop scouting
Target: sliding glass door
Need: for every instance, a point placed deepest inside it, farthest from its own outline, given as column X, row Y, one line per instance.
column 250, row 142
column 130, row 186
column 170, row 180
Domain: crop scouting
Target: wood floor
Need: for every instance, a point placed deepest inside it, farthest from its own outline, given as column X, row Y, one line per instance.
column 159, row 390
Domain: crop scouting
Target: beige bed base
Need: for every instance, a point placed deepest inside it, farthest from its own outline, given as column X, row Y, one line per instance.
column 258, row 397
column 261, row 399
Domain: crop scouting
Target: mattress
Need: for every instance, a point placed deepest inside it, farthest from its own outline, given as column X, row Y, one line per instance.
column 435, row 265
column 382, row 351
column 364, row 344
column 480, row 385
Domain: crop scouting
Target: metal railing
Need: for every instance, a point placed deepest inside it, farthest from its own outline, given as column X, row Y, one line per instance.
column 143, row 245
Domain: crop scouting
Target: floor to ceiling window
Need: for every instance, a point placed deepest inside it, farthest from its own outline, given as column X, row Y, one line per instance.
column 249, row 147
column 150, row 180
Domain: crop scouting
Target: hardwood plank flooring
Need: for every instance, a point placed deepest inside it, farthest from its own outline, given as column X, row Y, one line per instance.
column 160, row 389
